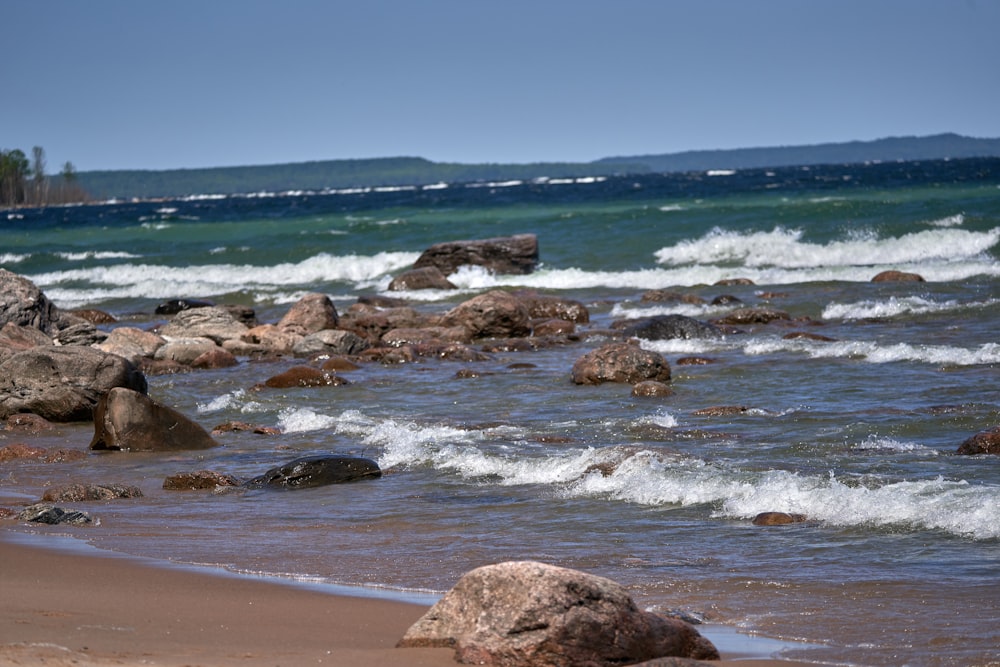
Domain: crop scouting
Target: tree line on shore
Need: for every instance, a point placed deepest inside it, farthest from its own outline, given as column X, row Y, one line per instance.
column 23, row 182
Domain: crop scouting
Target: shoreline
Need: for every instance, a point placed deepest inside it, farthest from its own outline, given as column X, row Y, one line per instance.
column 72, row 605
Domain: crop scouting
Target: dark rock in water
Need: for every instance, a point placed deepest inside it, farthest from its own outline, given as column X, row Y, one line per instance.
column 510, row 254
column 897, row 276
column 984, row 442
column 45, row 513
column 427, row 277
column 722, row 411
column 232, row 427
column 175, row 306
column 668, row 327
column 81, row 492
column 202, row 479
column 126, row 420
column 518, row 614
column 312, row 471
column 620, row 362
column 303, row 376
column 753, row 316
column 777, row 518
column 63, row 384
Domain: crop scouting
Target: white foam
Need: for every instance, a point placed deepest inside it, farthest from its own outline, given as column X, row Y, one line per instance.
column 11, row 258
column 896, row 306
column 784, row 248
column 95, row 254
column 885, row 444
column 302, row 420
column 876, row 353
column 234, row 400
column 950, row 221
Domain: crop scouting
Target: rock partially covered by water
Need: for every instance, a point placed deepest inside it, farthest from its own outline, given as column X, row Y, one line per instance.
column 897, row 276
column 496, row 314
column 63, row 384
column 620, row 362
column 50, row 514
column 427, row 277
column 303, row 376
column 201, row 479
column 312, row 471
column 669, row 327
column 516, row 254
column 126, row 420
column 522, row 614
column 81, row 492
column 777, row 518
column 984, row 442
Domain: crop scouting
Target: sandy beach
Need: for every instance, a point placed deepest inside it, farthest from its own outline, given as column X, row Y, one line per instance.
column 61, row 608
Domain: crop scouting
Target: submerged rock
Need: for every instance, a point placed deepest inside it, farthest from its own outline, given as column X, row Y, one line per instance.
column 522, row 614
column 81, row 492
column 669, row 327
column 984, row 442
column 312, row 471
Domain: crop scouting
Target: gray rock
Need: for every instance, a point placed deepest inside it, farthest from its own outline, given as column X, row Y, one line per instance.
column 132, row 343
column 428, row 277
column 23, row 303
column 63, row 384
column 330, row 341
column 50, row 514
column 126, row 420
column 212, row 322
column 522, row 614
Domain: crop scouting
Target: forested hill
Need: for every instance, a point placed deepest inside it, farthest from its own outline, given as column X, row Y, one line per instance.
column 340, row 174
column 935, row 147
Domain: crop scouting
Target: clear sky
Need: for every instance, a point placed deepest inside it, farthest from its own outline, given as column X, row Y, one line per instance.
column 137, row 84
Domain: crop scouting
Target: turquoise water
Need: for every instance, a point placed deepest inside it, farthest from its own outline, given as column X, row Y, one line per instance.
column 899, row 562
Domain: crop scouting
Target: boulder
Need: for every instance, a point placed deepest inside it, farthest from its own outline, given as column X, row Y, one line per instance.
column 897, row 276
column 522, row 614
column 496, row 314
column 16, row 338
column 126, row 420
column 214, row 358
column 313, row 312
column 651, row 388
column 330, row 341
column 428, row 277
column 63, row 384
column 212, row 322
column 303, row 376
column 23, row 303
column 28, row 423
column 620, row 362
column 669, row 327
column 984, row 442
column 312, row 471
column 132, row 343
column 184, row 350
column 552, row 327
column 409, row 336
column 80, row 333
column 510, row 254
column 268, row 337
column 541, row 306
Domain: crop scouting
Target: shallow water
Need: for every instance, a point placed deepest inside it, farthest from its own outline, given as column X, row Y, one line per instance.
column 899, row 560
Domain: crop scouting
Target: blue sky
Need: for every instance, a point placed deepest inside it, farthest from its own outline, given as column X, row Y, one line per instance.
column 131, row 84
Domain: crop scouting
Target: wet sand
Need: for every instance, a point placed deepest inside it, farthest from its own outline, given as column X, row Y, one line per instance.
column 61, row 608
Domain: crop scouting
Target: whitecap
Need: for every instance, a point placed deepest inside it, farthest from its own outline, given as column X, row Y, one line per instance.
column 897, row 306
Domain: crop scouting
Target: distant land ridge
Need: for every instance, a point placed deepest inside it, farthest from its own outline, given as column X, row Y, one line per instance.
column 416, row 171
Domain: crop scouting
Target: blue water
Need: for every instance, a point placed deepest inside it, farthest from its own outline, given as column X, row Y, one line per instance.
column 899, row 561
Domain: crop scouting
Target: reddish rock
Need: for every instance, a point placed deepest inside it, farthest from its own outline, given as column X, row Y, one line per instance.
column 28, row 423
column 19, row 450
column 516, row 254
column 552, row 327
column 808, row 335
column 897, row 276
column 722, row 411
column 694, row 361
column 336, row 364
column 620, row 362
column 662, row 295
column 126, row 420
column 131, row 343
column 94, row 316
column 428, row 277
column 777, row 518
column 231, row 427
column 409, row 336
column 303, row 376
column 522, row 614
column 17, row 338
column 496, row 314
column 984, row 442
column 202, row 479
column 752, row 316
column 269, row 337
column 313, row 312
column 215, row 358
column 553, row 307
